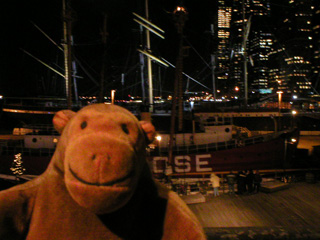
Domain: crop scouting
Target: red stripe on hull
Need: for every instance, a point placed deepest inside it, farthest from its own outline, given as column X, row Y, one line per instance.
column 264, row 155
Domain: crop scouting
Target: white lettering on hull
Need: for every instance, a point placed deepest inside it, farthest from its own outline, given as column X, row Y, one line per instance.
column 203, row 160
column 183, row 164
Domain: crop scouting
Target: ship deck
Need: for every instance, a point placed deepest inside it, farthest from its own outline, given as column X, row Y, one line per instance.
column 291, row 213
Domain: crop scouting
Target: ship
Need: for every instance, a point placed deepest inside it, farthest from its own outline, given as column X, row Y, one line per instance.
column 32, row 145
column 215, row 144
column 209, row 144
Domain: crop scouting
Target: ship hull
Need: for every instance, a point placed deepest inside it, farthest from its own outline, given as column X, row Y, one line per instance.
column 271, row 154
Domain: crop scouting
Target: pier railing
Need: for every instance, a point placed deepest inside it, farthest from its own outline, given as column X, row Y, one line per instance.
column 36, row 129
column 193, row 183
column 13, row 150
column 234, row 143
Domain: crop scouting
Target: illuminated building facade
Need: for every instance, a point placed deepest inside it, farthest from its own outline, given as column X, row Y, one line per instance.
column 316, row 42
column 300, row 46
column 223, row 44
column 294, row 54
column 250, row 21
column 282, row 47
column 260, row 46
column 236, row 51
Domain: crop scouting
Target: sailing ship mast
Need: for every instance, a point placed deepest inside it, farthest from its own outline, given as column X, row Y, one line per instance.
column 246, row 30
column 67, row 25
column 150, row 27
column 149, row 64
column 180, row 15
column 104, row 35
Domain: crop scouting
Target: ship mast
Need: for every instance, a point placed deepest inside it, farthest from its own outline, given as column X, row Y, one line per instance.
column 149, row 27
column 149, row 64
column 67, row 25
column 180, row 15
column 104, row 35
column 246, row 30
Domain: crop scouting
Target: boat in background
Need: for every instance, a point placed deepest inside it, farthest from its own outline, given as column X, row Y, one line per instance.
column 218, row 145
column 35, row 143
column 209, row 145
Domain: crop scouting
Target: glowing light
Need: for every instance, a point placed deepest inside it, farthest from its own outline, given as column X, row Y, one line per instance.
column 17, row 168
column 180, row 9
column 112, row 96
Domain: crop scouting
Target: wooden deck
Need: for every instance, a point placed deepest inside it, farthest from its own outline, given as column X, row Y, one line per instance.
column 290, row 213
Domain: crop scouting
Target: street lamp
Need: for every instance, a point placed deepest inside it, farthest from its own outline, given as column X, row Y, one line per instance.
column 279, row 98
column 293, row 140
column 159, row 140
column 279, row 107
column 294, row 113
column 112, row 96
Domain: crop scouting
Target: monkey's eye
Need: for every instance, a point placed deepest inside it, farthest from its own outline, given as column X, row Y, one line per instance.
column 125, row 128
column 83, row 124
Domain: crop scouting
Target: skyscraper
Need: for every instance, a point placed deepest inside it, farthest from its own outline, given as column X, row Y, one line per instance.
column 270, row 44
column 252, row 43
column 295, row 50
column 223, row 43
column 316, row 47
column 260, row 45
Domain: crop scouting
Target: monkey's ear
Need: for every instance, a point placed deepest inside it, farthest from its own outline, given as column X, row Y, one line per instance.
column 61, row 119
column 149, row 130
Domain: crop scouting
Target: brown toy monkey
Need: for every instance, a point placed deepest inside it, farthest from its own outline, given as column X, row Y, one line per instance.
column 97, row 186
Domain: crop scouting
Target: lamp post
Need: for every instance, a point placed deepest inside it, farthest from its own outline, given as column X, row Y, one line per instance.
column 279, row 107
column 287, row 144
column 275, row 123
column 112, row 96
column 159, row 140
column 294, row 113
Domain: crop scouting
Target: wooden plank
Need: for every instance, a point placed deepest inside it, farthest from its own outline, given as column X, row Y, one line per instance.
column 192, row 199
column 297, row 207
column 274, row 186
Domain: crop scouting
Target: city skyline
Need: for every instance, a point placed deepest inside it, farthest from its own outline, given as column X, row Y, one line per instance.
column 201, row 37
column 281, row 54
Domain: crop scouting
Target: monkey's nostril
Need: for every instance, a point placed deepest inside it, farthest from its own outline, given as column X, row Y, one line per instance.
column 93, row 157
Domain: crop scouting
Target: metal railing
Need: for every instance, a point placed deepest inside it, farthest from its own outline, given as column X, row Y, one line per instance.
column 41, row 129
column 12, row 150
column 234, row 143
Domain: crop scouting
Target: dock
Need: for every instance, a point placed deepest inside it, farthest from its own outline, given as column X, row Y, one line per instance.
column 292, row 212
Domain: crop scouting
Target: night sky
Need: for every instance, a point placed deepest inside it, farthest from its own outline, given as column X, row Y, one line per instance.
column 22, row 75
